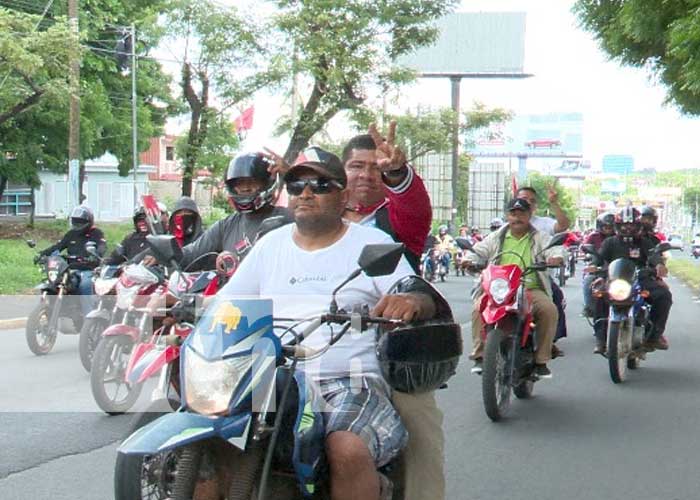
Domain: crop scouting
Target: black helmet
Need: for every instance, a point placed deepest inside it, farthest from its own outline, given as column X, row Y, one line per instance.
column 81, row 218
column 647, row 211
column 139, row 215
column 605, row 219
column 627, row 222
column 420, row 357
column 495, row 224
column 253, row 166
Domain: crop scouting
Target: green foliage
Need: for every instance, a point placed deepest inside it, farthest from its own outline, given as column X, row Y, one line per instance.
column 686, row 270
column 344, row 47
column 691, row 202
column 479, row 118
column 663, row 37
column 541, row 184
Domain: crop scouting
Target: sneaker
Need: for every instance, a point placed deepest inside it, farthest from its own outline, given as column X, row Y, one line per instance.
column 478, row 366
column 659, row 343
column 556, row 352
column 600, row 348
column 542, row 371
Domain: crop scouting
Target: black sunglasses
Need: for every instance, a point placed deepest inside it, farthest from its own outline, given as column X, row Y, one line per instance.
column 318, row 186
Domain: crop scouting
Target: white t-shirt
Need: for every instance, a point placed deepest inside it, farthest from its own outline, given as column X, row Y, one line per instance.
column 544, row 224
column 300, row 283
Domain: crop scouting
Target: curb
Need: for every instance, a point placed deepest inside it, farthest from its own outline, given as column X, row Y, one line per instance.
column 9, row 324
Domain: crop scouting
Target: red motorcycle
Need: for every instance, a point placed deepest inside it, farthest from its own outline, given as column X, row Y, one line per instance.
column 509, row 353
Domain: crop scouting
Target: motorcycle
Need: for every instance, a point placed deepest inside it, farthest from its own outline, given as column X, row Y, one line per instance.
column 509, row 354
column 695, row 251
column 134, row 288
column 628, row 324
column 571, row 261
column 104, row 313
column 234, row 370
column 54, row 313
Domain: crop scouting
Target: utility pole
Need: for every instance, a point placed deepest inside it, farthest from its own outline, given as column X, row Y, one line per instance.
column 75, row 170
column 134, row 131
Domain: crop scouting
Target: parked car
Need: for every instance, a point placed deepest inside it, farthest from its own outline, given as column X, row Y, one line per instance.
column 676, row 241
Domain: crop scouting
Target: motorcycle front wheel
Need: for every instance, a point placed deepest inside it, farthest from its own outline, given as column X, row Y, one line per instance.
column 107, row 375
column 619, row 343
column 495, row 379
column 40, row 336
column 90, row 335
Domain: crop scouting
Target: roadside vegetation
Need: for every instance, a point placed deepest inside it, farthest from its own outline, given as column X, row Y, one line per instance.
column 687, row 271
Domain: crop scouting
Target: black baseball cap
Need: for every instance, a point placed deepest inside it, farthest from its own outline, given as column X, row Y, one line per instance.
column 519, row 204
column 320, row 161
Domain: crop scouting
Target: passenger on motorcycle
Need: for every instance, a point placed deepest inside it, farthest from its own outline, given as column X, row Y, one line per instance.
column 386, row 192
column 628, row 243
column 648, row 220
column 252, row 190
column 185, row 223
column 605, row 227
column 299, row 266
column 133, row 243
column 82, row 231
column 521, row 238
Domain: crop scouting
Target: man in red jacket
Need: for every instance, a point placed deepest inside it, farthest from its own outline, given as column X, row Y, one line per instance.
column 387, row 193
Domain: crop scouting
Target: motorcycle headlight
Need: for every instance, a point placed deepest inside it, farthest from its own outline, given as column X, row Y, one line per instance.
column 52, row 274
column 209, row 385
column 499, row 290
column 619, row 289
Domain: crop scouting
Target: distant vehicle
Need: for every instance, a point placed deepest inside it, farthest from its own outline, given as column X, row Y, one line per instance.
column 676, row 241
column 543, row 143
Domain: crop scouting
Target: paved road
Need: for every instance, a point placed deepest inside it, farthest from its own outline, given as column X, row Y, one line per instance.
column 581, row 437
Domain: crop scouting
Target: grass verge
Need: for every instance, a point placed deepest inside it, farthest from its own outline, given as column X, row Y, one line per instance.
column 18, row 274
column 685, row 270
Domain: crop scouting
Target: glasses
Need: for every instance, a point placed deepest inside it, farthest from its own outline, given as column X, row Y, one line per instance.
column 318, row 186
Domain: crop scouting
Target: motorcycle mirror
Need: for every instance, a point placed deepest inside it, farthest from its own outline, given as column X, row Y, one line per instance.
column 464, row 243
column 165, row 247
column 270, row 224
column 557, row 240
column 380, row 259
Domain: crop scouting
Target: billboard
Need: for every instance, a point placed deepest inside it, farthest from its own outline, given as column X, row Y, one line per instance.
column 473, row 43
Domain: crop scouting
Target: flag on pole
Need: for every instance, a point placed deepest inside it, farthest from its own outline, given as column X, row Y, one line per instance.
column 245, row 121
column 514, row 185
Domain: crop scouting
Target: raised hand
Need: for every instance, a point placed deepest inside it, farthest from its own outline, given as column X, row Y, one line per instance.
column 389, row 155
column 279, row 166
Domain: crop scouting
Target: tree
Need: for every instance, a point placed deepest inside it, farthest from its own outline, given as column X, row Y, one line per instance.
column 661, row 36
column 541, row 184
column 37, row 137
column 342, row 48
column 691, row 202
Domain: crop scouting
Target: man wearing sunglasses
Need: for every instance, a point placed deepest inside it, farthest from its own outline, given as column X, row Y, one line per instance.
column 299, row 266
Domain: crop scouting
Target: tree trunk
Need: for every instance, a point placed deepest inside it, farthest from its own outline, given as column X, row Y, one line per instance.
column 3, row 185
column 198, row 124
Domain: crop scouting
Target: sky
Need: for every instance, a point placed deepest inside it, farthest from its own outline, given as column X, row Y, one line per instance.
column 623, row 109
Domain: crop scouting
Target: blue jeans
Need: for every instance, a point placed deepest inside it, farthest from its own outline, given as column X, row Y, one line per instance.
column 87, row 299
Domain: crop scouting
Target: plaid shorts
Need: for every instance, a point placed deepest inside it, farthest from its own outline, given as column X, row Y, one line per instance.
column 362, row 406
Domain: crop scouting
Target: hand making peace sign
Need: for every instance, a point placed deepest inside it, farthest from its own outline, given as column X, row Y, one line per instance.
column 389, row 156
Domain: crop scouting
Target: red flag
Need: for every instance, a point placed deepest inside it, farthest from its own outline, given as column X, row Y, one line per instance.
column 245, row 121
column 514, row 186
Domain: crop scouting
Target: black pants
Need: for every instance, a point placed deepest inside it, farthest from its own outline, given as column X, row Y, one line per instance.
column 660, row 300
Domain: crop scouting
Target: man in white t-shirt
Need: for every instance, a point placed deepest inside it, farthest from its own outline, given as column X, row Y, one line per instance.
column 547, row 225
column 298, row 266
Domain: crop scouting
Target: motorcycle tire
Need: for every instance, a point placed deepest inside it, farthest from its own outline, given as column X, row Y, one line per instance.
column 524, row 389
column 90, row 336
column 247, row 471
column 130, row 471
column 102, row 364
column 562, row 277
column 495, row 392
column 187, row 472
column 617, row 358
column 572, row 268
column 38, row 327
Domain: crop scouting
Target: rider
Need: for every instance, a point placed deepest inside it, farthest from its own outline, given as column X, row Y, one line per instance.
column 495, row 224
column 520, row 241
column 386, row 192
column 185, row 223
column 134, row 243
column 628, row 243
column 82, row 231
column 604, row 228
column 475, row 234
column 299, row 266
column 445, row 244
column 252, row 190
column 648, row 219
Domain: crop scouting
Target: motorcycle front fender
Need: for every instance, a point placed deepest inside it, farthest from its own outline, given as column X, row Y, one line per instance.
column 618, row 313
column 147, row 361
column 128, row 330
column 174, row 430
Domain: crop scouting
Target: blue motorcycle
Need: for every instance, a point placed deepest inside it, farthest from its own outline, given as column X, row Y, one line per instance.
column 249, row 421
